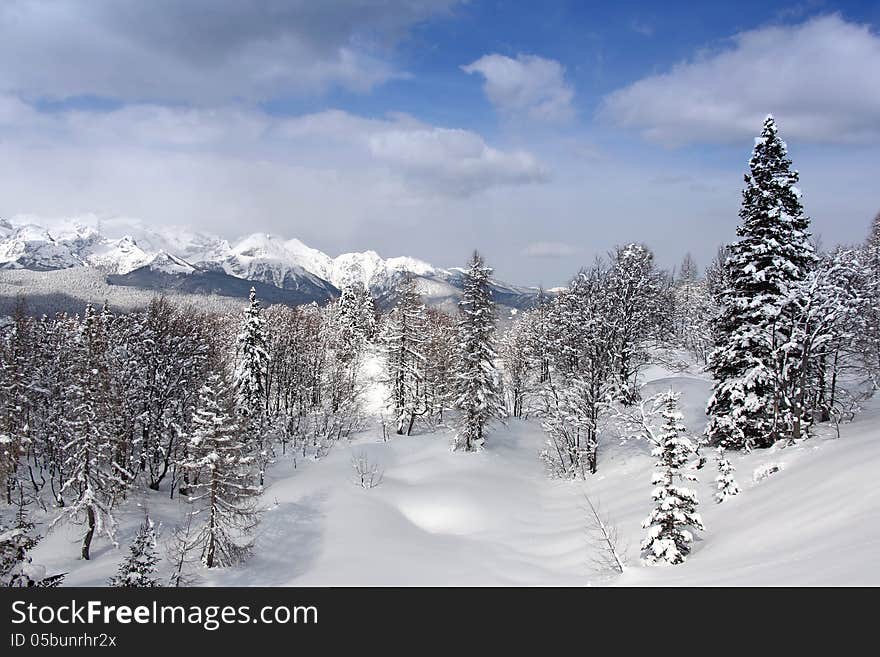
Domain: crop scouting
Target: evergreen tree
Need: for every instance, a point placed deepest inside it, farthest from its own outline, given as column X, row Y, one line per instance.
column 221, row 481
column 250, row 380
column 139, row 568
column 675, row 506
column 252, row 358
column 725, row 483
column 356, row 318
column 772, row 255
column 478, row 394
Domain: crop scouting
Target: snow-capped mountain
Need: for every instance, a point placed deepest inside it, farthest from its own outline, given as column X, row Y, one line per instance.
column 129, row 253
column 271, row 260
column 5, row 228
column 36, row 247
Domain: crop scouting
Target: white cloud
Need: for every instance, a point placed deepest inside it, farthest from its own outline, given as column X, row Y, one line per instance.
column 820, row 78
column 440, row 160
column 549, row 250
column 454, row 161
column 160, row 161
column 526, row 86
column 201, row 51
column 642, row 27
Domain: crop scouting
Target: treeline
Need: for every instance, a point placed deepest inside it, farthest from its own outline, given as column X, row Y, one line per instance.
column 197, row 404
column 176, row 399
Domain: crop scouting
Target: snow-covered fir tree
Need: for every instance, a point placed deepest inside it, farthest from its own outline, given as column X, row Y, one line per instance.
column 404, row 345
column 356, row 317
column 251, row 362
column 674, row 517
column 250, row 380
column 478, row 381
column 725, row 484
column 139, row 568
column 221, row 478
column 772, row 256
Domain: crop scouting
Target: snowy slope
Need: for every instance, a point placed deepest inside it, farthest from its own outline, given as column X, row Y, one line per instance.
column 494, row 518
column 268, row 259
column 30, row 246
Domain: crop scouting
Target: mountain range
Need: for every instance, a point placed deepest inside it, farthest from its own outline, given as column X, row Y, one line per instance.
column 127, row 253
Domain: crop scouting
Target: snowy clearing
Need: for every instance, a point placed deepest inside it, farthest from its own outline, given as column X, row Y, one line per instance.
column 495, row 518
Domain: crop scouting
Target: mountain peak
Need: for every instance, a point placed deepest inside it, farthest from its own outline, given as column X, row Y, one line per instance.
column 118, row 247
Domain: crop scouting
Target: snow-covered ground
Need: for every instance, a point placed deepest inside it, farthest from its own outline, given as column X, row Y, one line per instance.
column 495, row 518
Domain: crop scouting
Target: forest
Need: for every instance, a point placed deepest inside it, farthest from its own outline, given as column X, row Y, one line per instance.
column 199, row 405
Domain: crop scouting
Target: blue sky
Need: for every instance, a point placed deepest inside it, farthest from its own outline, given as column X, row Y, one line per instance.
column 541, row 133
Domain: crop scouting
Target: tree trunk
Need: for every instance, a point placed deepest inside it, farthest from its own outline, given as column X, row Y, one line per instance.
column 210, row 547
column 87, row 539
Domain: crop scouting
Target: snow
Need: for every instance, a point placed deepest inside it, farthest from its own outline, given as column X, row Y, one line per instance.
column 119, row 245
column 266, row 258
column 117, row 256
column 5, row 228
column 167, row 263
column 495, row 518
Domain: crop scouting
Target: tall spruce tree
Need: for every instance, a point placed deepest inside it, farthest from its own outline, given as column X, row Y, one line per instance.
column 250, row 380
column 478, row 381
column 773, row 254
column 251, row 365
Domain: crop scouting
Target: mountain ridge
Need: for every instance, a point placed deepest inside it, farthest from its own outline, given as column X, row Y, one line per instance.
column 131, row 254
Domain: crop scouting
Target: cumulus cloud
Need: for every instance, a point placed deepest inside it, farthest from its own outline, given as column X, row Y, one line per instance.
column 441, row 160
column 203, row 51
column 820, row 78
column 549, row 250
column 526, row 86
